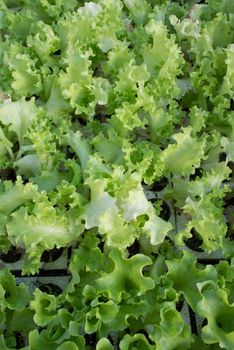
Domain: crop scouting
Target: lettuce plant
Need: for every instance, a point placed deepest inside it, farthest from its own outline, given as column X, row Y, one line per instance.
column 116, row 142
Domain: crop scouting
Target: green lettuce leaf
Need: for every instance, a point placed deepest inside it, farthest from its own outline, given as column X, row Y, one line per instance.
column 126, row 276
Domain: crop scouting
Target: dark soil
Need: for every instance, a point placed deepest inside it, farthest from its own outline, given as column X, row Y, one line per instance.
column 13, row 255
column 194, row 242
column 165, row 211
column 179, row 304
column 51, row 255
column 50, row 288
column 197, row 173
column 160, row 185
column 91, row 339
column 133, row 249
column 20, row 342
column 8, row 174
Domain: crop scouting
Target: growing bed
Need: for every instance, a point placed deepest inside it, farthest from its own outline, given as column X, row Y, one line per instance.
column 116, row 175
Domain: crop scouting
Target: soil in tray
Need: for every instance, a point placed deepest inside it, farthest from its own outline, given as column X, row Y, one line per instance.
column 51, row 255
column 179, row 304
column 198, row 173
column 50, row 288
column 160, row 185
column 20, row 341
column 229, row 214
column 91, row 339
column 194, row 242
column 165, row 211
column 13, row 255
column 8, row 174
column 134, row 248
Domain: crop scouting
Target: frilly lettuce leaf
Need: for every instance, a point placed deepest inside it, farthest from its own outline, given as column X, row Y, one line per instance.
column 68, row 345
column 81, row 147
column 188, row 283
column 101, row 313
column 101, row 203
column 104, row 213
column 26, row 78
column 126, row 276
column 139, row 341
column 51, row 341
column 44, row 34
column 113, row 215
column 5, row 148
column 100, row 101
column 109, row 146
column 210, row 224
column 127, row 119
column 36, row 230
column 133, row 310
column 228, row 82
column 88, row 256
column 228, row 148
column 18, row 115
column 44, row 223
column 45, row 307
column 216, row 307
column 138, row 10
column 134, row 205
column 56, row 103
column 144, row 158
column 38, row 158
column 104, row 344
column 156, row 228
column 13, row 296
column 187, row 151
column 172, row 330
column 163, row 63
column 75, row 83
column 16, row 195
